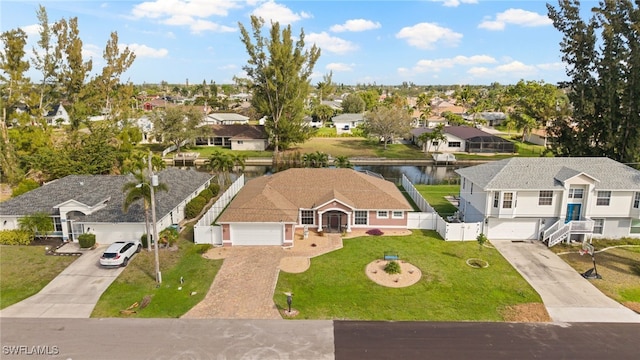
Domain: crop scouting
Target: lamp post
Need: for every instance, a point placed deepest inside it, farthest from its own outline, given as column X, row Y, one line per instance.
column 154, row 182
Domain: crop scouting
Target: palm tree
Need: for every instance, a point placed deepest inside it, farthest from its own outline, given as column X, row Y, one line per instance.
column 438, row 135
column 140, row 190
column 315, row 160
column 222, row 164
column 36, row 224
column 341, row 161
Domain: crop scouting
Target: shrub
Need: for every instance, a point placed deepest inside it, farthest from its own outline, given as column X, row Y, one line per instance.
column 203, row 248
column 215, row 189
column 207, row 194
column 143, row 240
column 86, row 240
column 481, row 239
column 15, row 237
column 393, row 267
column 193, row 207
column 24, row 186
column 375, row 232
column 168, row 236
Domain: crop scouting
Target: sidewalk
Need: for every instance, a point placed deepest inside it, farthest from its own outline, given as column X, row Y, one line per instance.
column 567, row 296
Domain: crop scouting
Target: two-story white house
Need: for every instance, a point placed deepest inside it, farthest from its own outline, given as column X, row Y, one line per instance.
column 552, row 199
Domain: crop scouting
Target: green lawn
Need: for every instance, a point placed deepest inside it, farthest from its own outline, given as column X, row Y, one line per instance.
column 434, row 194
column 355, row 147
column 138, row 281
column 25, row 270
column 336, row 286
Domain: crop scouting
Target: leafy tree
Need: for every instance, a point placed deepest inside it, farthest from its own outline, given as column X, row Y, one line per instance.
column 453, row 119
column 24, row 186
column 326, row 86
column 140, row 190
column 280, row 70
column 353, row 104
column 323, row 112
column 177, row 124
column 603, row 57
column 37, row 224
column 532, row 105
column 435, row 135
column 46, row 60
column 387, row 123
column 73, row 69
column 370, row 98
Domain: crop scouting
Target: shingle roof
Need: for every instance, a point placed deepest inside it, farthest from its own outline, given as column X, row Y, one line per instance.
column 278, row 197
column 240, row 131
column 549, row 173
column 228, row 117
column 92, row 190
column 348, row 117
column 465, row 132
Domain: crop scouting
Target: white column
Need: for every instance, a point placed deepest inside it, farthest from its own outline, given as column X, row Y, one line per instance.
column 348, row 222
column 320, row 221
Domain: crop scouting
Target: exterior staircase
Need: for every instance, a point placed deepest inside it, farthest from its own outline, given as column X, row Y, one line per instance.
column 561, row 231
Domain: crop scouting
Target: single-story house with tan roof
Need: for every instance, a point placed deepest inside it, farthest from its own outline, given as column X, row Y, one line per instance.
column 269, row 209
column 236, row 137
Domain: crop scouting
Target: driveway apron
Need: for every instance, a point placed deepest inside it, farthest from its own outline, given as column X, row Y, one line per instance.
column 244, row 285
column 567, row 296
column 72, row 294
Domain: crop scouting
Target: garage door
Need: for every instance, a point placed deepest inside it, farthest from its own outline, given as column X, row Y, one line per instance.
column 256, row 234
column 500, row 229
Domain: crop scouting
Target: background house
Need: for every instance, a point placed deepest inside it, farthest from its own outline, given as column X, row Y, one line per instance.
column 268, row 209
column 236, row 137
column 57, row 116
column 552, row 199
column 464, row 139
column 226, row 119
column 345, row 122
column 93, row 204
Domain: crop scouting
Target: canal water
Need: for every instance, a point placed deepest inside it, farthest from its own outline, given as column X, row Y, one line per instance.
column 417, row 174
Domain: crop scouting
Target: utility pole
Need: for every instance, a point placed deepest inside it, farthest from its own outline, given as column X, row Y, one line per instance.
column 154, row 182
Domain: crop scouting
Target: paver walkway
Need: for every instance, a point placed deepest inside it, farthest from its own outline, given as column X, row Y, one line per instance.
column 567, row 296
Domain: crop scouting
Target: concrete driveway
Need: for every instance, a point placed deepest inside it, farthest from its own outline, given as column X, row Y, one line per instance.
column 72, row 294
column 567, row 296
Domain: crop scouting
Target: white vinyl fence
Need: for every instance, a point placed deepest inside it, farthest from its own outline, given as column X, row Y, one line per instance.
column 429, row 219
column 204, row 232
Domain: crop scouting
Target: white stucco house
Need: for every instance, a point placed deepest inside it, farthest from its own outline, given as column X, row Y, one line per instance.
column 57, row 116
column 345, row 122
column 94, row 204
column 236, row 137
column 552, row 199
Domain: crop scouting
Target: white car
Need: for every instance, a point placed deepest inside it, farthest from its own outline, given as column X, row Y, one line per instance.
column 120, row 252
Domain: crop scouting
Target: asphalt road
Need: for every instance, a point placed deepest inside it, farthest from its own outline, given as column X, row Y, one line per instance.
column 76, row 339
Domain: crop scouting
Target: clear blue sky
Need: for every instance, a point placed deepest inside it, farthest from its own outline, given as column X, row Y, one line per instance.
column 362, row 42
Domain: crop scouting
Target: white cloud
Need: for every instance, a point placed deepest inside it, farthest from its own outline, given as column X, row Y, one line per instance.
column 272, row 11
column 516, row 67
column 192, row 13
column 356, row 25
column 515, row 17
column 91, row 51
column 339, row 67
column 551, row 66
column 195, row 8
column 455, row 3
column 145, row 51
column 330, row 43
column 228, row 67
column 426, row 35
column 31, row 29
column 439, row 64
column 510, row 70
column 478, row 71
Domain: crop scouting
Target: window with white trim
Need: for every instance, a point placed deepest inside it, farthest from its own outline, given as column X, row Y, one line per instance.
column 545, row 197
column 382, row 214
column 575, row 193
column 360, row 217
column 496, row 199
column 604, row 198
column 306, row 217
column 636, row 201
column 454, row 144
column 507, row 200
column 598, row 226
column 635, row 226
column 397, row 215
